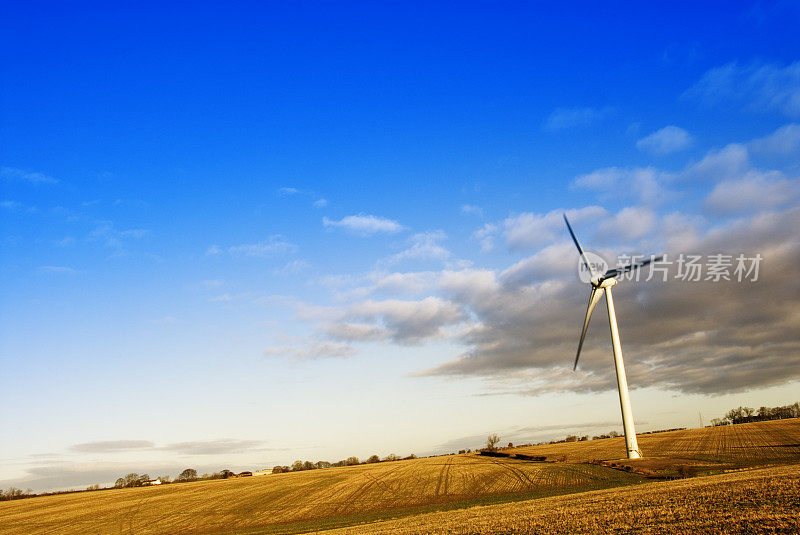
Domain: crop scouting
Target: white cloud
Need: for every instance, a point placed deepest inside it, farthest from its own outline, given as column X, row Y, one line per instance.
column 365, row 225
column 472, row 209
column 529, row 230
column 288, row 191
column 485, row 236
column 754, row 192
column 643, row 183
column 424, row 246
column 565, row 118
column 757, row 86
column 313, row 350
column 11, row 173
column 731, row 161
column 58, row 269
column 630, row 223
column 784, row 141
column 665, row 141
column 274, row 245
column 320, row 203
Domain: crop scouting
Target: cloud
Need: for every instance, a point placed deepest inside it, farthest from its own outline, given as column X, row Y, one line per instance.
column 565, row 118
column 365, row 225
column 642, row 183
column 529, row 230
column 784, row 141
column 19, row 175
column 754, row 192
column 106, row 233
column 524, row 331
column 485, row 236
column 111, row 446
column 665, row 141
column 630, row 223
column 273, row 246
column 764, row 87
column 730, row 161
column 409, row 322
column 355, row 332
column 313, row 350
column 472, row 209
column 319, row 202
column 214, row 447
column 424, row 246
column 58, row 269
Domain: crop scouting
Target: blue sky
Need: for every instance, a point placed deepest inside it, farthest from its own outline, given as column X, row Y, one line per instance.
column 233, row 236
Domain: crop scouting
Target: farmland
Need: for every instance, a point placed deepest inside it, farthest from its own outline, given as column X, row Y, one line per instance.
column 755, row 501
column 415, row 492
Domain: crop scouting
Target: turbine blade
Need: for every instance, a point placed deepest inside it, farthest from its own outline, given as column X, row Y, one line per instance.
column 594, row 298
column 580, row 249
column 616, row 272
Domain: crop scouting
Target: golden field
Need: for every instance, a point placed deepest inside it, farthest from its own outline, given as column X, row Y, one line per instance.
column 765, row 500
column 421, row 495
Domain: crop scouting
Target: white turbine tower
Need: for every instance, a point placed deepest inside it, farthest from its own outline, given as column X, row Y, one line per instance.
column 602, row 283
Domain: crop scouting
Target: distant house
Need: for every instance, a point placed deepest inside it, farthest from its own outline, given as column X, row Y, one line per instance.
column 262, row 472
column 244, row 474
column 152, row 482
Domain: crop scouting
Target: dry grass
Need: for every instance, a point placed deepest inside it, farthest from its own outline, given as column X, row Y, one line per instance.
column 756, row 501
column 776, row 440
column 415, row 490
column 302, row 501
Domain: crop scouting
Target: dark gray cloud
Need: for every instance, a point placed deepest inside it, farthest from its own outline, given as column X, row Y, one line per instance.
column 697, row 337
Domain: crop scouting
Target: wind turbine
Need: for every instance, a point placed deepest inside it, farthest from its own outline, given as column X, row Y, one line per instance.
column 602, row 284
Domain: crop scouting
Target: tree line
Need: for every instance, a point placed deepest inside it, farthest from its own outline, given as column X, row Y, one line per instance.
column 299, row 466
column 743, row 415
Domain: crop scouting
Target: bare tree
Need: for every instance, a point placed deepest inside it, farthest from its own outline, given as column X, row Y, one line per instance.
column 491, row 442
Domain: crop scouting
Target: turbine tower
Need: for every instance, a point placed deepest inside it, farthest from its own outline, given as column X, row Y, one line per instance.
column 602, row 284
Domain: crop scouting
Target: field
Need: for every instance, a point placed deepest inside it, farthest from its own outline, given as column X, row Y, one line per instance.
column 415, row 492
column 755, row 501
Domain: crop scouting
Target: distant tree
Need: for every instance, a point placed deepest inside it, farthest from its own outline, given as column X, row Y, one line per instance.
column 411, row 456
column 131, row 480
column 571, row 438
column 225, row 474
column 323, row 464
column 374, row 459
column 491, row 442
column 352, row 461
column 190, row 474
column 510, row 445
column 391, row 457
column 119, row 483
column 297, row 466
column 462, row 451
column 144, row 478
